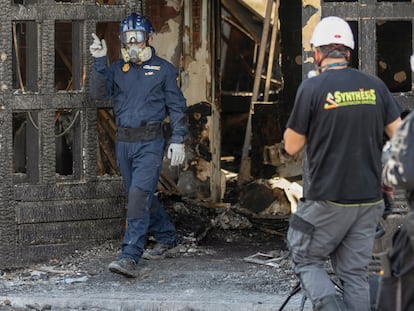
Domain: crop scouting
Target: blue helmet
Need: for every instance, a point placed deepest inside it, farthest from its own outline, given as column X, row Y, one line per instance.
column 135, row 28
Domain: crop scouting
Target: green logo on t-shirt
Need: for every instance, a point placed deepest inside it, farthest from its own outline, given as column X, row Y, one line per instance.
column 350, row 98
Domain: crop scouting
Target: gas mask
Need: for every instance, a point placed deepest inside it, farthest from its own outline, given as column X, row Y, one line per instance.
column 136, row 54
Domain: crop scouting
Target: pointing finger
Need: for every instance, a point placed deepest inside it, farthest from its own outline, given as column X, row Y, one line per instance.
column 96, row 38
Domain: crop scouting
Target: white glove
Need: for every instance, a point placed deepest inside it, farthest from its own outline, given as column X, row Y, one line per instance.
column 176, row 153
column 98, row 47
column 412, row 62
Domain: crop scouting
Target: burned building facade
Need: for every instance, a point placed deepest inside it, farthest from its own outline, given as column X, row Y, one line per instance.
column 61, row 189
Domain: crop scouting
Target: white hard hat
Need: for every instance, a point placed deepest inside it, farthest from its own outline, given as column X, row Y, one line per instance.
column 412, row 62
column 332, row 30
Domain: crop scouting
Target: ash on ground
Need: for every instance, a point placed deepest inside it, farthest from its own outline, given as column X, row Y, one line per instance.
column 219, row 248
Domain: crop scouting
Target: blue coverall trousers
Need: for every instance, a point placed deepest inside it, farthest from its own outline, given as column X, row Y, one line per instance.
column 140, row 165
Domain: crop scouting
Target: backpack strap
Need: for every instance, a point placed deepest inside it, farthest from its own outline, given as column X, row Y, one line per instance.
column 410, row 199
column 409, row 226
column 398, row 295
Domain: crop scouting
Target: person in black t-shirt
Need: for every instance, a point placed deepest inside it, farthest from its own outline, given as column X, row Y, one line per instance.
column 340, row 114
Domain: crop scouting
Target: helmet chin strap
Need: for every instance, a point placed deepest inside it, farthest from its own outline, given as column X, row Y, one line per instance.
column 329, row 66
column 319, row 69
column 326, row 54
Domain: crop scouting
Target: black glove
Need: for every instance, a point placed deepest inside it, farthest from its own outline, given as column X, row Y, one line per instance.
column 389, row 205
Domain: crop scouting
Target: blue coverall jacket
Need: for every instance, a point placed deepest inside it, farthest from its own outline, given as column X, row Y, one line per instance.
column 146, row 92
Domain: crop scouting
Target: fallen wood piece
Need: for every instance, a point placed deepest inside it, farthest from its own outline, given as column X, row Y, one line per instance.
column 265, row 259
column 48, row 270
column 293, row 190
column 270, row 231
column 206, row 204
column 228, row 174
column 167, row 185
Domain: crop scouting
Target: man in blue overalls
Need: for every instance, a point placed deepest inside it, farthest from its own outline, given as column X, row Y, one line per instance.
column 144, row 91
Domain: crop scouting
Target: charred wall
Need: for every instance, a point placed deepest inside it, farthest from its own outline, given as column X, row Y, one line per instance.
column 61, row 188
column 53, row 198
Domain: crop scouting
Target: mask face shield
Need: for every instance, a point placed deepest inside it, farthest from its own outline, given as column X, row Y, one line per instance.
column 133, row 36
column 134, row 52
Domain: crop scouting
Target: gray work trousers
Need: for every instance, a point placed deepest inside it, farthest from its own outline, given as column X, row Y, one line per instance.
column 321, row 230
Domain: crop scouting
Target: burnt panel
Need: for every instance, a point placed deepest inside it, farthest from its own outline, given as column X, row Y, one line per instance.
column 48, row 142
column 66, row 122
column 7, row 212
column 29, row 254
column 19, row 142
column 25, row 147
column 78, row 74
column 106, row 129
column 63, row 56
column 48, row 146
column 110, row 187
column 68, row 210
column 89, row 165
column 25, row 55
column 24, row 2
column 394, row 47
column 63, row 232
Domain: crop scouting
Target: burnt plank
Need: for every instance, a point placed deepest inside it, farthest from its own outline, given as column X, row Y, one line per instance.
column 69, row 190
column 382, row 10
column 26, row 255
column 69, row 210
column 61, row 232
column 29, row 254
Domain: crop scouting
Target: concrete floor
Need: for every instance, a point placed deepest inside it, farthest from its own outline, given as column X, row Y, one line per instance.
column 205, row 277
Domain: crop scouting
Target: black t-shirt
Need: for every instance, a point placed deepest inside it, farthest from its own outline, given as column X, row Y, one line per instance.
column 343, row 113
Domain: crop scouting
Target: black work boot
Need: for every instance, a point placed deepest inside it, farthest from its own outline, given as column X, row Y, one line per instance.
column 330, row 303
column 159, row 251
column 125, row 266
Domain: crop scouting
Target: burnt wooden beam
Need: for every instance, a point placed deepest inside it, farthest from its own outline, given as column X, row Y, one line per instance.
column 70, row 231
column 107, row 146
column 71, row 190
column 29, row 254
column 375, row 11
column 32, row 146
column 77, row 52
column 65, row 11
column 69, row 210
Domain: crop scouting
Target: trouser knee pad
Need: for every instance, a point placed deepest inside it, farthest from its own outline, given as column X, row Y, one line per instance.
column 137, row 203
